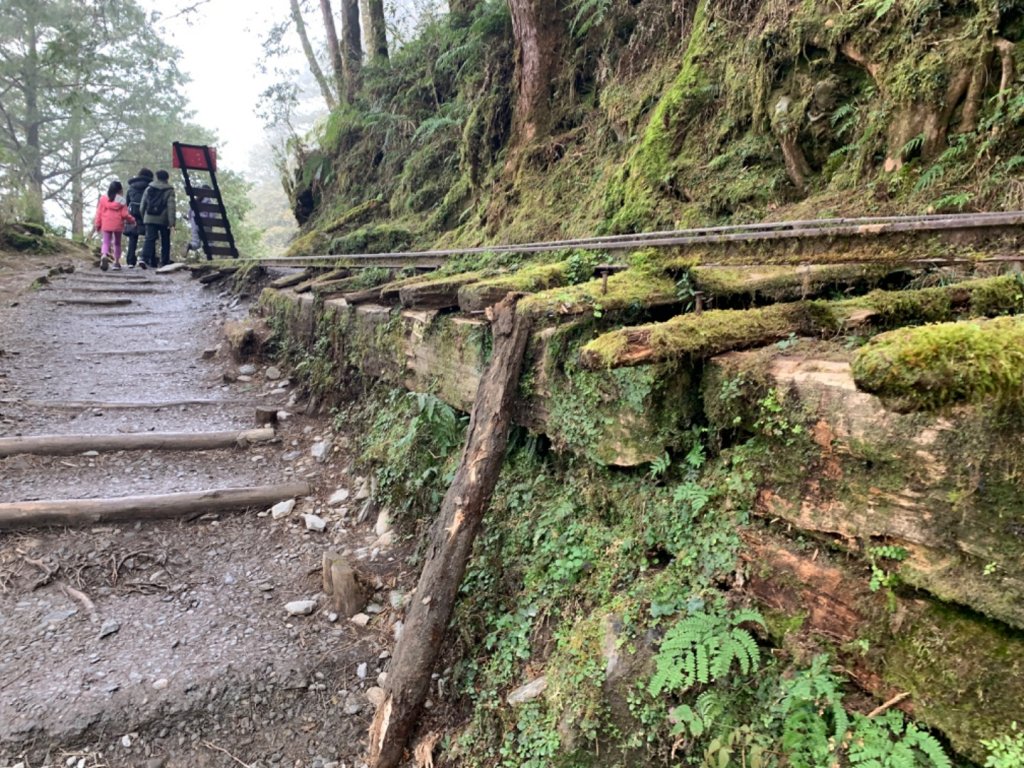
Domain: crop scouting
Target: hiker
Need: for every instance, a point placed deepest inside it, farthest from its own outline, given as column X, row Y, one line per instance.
column 158, row 216
column 111, row 215
column 136, row 189
column 195, row 240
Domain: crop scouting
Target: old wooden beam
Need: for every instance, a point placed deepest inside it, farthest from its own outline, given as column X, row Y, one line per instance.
column 26, row 514
column 66, row 445
column 451, row 540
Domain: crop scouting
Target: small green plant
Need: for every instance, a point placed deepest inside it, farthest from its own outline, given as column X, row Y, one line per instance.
column 880, row 577
column 702, row 648
column 660, row 466
column 1005, row 751
column 579, row 267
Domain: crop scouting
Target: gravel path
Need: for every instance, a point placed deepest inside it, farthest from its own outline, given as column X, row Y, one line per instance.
column 168, row 643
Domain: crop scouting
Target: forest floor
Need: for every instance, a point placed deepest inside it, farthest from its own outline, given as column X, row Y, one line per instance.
column 167, row 644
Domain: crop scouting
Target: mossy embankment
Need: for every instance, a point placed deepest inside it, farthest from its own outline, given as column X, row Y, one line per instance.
column 645, row 511
column 743, row 464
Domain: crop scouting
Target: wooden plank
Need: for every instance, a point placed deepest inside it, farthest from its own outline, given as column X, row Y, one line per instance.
column 26, row 514
column 67, row 445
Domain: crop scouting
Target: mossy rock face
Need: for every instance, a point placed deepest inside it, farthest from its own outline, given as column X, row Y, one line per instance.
column 947, row 489
column 28, row 237
column 939, row 365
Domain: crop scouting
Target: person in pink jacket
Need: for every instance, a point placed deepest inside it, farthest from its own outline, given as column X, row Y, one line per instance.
column 111, row 215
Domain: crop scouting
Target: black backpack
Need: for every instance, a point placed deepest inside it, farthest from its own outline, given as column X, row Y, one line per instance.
column 157, row 203
column 135, row 202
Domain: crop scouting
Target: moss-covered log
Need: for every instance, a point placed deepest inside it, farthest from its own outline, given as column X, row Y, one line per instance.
column 714, row 332
column 783, row 283
column 436, row 292
column 634, row 289
column 927, row 368
column 475, row 297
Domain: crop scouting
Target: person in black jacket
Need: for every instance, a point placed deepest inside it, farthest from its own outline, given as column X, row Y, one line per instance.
column 136, row 188
column 158, row 216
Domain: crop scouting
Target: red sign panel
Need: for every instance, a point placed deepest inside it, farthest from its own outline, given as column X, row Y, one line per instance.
column 195, row 157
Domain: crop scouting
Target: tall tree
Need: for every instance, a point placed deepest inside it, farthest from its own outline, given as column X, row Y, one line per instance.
column 351, row 47
column 333, row 46
column 307, row 48
column 375, row 29
column 538, row 28
column 69, row 74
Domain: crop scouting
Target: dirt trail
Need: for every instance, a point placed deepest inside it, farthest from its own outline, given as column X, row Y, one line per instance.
column 168, row 644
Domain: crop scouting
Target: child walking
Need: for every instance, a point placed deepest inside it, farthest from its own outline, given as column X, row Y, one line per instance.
column 111, row 215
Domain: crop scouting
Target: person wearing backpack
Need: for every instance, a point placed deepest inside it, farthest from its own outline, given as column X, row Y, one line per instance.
column 136, row 189
column 157, row 210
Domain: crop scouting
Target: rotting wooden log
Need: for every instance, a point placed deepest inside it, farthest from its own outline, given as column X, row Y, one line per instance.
column 30, row 514
column 436, row 293
column 67, row 445
column 451, row 539
column 718, row 331
column 308, row 285
column 220, row 274
column 342, row 586
column 287, row 281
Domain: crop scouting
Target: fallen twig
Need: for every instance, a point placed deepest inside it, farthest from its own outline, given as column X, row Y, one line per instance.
column 221, row 749
column 81, row 598
column 889, row 704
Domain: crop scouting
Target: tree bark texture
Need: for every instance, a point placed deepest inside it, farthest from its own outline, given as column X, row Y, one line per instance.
column 67, row 445
column 28, row 514
column 537, row 26
column 451, row 539
column 375, row 29
column 314, row 65
column 333, row 46
column 351, row 47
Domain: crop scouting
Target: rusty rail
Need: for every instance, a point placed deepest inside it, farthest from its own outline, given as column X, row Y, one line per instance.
column 868, row 226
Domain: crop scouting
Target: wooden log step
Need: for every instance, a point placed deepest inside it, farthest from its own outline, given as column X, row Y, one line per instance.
column 112, row 302
column 66, row 445
column 86, row 289
column 76, row 405
column 25, row 514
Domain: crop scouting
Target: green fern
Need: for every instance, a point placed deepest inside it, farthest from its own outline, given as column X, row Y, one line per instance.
column 912, row 146
column 589, row 14
column 702, row 648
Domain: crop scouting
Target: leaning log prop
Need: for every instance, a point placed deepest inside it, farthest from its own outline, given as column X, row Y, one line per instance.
column 451, row 539
column 67, row 445
column 72, row 512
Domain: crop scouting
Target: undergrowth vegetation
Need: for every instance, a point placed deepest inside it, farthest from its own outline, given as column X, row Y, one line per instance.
column 623, row 592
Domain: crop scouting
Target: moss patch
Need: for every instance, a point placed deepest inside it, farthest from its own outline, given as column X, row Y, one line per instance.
column 937, row 365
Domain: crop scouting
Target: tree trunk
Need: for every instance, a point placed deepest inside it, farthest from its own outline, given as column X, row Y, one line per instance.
column 451, row 540
column 333, row 46
column 375, row 29
column 77, row 191
column 351, row 47
column 90, row 511
column 538, row 30
column 33, row 210
column 314, row 65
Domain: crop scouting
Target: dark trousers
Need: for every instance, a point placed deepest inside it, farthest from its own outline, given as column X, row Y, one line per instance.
column 149, row 246
column 133, row 241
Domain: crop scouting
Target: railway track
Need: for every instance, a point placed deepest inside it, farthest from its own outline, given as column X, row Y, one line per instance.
column 858, row 227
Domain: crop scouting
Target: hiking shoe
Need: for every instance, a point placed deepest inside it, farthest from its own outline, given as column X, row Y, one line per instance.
column 144, row 265
column 104, row 263
column 117, row 266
